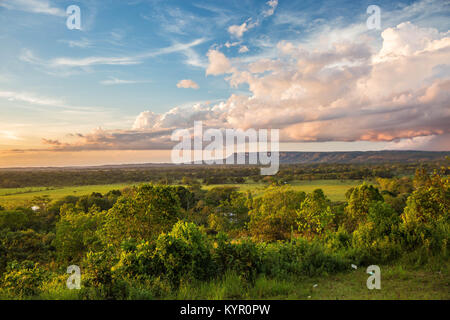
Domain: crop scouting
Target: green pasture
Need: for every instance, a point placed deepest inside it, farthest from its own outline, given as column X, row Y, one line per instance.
column 334, row 189
column 22, row 196
column 12, row 197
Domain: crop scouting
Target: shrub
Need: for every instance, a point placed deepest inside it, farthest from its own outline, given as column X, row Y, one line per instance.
column 23, row 280
column 98, row 279
column 241, row 257
column 184, row 252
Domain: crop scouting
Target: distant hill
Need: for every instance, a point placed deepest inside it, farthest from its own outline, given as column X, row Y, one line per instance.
column 360, row 157
column 370, row 157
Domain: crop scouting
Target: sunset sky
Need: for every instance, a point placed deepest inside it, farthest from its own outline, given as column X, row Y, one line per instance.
column 114, row 91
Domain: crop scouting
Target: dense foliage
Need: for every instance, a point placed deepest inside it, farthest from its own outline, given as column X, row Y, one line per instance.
column 147, row 241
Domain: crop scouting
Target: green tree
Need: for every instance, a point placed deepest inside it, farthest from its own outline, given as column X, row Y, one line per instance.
column 360, row 199
column 76, row 233
column 314, row 215
column 274, row 215
column 151, row 210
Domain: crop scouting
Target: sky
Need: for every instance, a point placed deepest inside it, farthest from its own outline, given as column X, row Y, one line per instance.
column 114, row 90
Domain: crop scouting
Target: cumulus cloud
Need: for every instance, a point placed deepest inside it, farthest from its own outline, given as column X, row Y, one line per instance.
column 349, row 91
column 182, row 117
column 187, row 83
column 238, row 30
column 218, row 63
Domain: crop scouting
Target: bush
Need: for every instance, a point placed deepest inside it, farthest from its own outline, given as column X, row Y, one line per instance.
column 23, row 280
column 185, row 252
column 98, row 279
column 242, row 257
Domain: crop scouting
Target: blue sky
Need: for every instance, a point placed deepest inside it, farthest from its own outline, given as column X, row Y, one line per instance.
column 129, row 57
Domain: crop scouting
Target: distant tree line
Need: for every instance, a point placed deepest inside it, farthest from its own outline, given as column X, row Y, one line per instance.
column 215, row 174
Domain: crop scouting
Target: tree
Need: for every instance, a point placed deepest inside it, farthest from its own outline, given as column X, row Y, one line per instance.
column 315, row 214
column 360, row 199
column 274, row 215
column 76, row 233
column 151, row 210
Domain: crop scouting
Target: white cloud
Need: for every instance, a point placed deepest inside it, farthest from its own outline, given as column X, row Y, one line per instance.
column 232, row 44
column 181, row 117
column 272, row 6
column 35, row 6
column 31, row 98
column 9, row 135
column 243, row 49
column 82, row 43
column 238, row 30
column 345, row 92
column 187, row 83
column 65, row 62
column 114, row 81
column 39, row 100
column 218, row 63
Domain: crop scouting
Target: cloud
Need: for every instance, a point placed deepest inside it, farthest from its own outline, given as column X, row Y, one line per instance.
column 116, row 81
column 39, row 100
column 101, row 139
column 9, row 135
column 232, row 44
column 272, row 6
column 187, row 83
column 218, row 63
column 238, row 30
column 82, row 43
column 348, row 91
column 181, row 117
column 31, row 98
column 66, row 62
column 431, row 143
column 398, row 93
column 34, row 6
column 243, row 49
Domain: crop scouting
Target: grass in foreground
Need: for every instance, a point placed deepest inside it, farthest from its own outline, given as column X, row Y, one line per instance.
column 397, row 283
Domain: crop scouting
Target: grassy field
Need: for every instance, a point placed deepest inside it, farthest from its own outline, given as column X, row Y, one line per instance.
column 21, row 196
column 334, row 189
